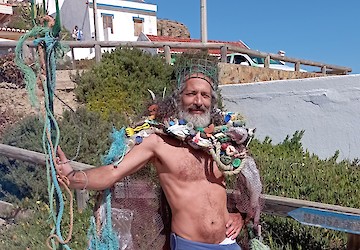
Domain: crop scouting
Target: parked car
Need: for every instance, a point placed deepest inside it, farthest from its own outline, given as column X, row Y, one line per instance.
column 244, row 59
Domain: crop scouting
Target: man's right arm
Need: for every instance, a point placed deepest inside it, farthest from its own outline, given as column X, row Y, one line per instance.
column 104, row 177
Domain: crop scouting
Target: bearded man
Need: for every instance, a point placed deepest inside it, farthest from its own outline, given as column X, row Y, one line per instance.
column 193, row 184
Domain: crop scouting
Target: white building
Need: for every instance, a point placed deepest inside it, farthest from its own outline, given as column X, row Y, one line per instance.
column 118, row 20
column 5, row 10
column 7, row 34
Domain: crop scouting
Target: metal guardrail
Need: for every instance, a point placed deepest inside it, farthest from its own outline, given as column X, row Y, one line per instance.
column 224, row 48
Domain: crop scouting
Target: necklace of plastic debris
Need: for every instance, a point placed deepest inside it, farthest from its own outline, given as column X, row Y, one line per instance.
column 226, row 143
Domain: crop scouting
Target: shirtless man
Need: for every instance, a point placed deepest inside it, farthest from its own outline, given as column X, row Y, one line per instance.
column 192, row 183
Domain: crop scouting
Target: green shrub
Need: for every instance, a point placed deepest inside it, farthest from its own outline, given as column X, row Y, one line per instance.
column 288, row 170
column 25, row 184
column 32, row 232
column 120, row 82
column 79, row 137
column 22, row 179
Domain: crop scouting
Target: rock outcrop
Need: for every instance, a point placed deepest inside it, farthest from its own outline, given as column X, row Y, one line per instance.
column 172, row 28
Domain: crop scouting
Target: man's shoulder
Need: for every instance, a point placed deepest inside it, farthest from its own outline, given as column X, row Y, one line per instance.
column 153, row 139
column 157, row 139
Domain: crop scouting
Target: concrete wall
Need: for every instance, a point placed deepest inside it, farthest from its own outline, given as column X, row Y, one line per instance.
column 327, row 108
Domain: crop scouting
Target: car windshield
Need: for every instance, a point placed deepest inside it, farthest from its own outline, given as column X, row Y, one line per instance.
column 260, row 60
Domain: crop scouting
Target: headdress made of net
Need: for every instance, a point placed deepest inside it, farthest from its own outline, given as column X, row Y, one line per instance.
column 198, row 68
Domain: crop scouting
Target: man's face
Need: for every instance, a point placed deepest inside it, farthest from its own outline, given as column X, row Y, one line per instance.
column 196, row 102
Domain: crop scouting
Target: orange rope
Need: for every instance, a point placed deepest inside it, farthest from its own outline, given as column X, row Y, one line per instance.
column 64, row 181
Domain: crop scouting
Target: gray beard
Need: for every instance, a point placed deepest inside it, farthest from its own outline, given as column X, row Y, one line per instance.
column 199, row 121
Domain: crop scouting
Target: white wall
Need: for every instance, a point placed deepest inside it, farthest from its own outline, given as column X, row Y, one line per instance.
column 123, row 23
column 51, row 5
column 327, row 108
column 5, row 9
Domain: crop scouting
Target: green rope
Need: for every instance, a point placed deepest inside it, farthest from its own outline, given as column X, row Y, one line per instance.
column 29, row 74
column 45, row 38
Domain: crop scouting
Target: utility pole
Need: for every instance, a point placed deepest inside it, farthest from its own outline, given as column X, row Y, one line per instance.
column 203, row 21
column 96, row 33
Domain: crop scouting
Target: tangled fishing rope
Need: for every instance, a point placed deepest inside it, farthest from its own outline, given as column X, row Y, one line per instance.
column 43, row 78
column 48, row 49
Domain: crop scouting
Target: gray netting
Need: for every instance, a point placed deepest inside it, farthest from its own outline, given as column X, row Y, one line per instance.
column 198, row 68
column 149, row 223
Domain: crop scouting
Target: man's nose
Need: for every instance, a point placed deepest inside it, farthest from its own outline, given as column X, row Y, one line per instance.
column 198, row 100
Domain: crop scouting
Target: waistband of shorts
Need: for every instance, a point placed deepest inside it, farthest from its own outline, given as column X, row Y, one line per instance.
column 177, row 242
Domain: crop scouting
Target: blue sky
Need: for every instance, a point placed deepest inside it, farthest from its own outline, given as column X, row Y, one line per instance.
column 321, row 31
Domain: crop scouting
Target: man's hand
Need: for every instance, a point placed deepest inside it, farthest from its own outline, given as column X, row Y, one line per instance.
column 63, row 166
column 234, row 225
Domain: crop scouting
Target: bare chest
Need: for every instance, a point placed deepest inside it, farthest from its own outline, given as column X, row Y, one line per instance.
column 188, row 164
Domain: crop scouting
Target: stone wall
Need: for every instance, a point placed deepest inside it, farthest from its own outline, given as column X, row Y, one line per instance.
column 235, row 74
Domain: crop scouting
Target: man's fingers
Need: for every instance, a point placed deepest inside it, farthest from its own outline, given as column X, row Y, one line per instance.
column 229, row 223
column 61, row 155
column 59, row 150
column 231, row 230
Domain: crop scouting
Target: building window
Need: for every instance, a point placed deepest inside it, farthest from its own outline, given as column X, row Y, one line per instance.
column 108, row 21
column 138, row 25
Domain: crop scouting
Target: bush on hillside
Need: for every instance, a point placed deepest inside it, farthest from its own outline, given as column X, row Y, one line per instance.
column 288, row 170
column 120, row 82
column 22, row 19
column 32, row 232
column 22, row 179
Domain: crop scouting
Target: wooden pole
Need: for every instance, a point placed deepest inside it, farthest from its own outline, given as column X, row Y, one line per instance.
column 223, row 51
column 34, row 157
column 73, row 63
column 96, row 33
column 203, row 25
column 40, row 159
column 167, row 54
column 267, row 62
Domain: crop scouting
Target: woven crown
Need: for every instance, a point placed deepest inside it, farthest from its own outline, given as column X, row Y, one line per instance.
column 198, row 68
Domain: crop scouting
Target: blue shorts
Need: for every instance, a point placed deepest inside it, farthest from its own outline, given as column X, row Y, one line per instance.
column 178, row 243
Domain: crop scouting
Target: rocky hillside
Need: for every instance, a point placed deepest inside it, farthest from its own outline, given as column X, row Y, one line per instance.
column 15, row 104
column 172, row 28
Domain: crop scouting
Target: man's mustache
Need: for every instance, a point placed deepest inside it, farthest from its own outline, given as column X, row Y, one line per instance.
column 197, row 108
